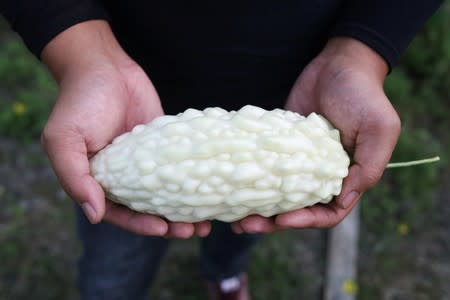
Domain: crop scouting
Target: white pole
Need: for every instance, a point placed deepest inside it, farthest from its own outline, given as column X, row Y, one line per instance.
column 342, row 258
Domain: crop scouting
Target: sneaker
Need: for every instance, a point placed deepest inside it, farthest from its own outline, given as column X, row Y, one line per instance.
column 233, row 288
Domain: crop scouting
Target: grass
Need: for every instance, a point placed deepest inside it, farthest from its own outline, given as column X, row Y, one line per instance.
column 38, row 250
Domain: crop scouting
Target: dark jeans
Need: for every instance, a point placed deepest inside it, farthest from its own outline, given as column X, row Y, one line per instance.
column 117, row 264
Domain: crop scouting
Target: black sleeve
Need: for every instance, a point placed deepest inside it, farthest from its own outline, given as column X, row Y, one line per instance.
column 38, row 21
column 386, row 26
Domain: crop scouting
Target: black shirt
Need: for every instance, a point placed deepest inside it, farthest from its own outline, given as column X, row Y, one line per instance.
column 226, row 53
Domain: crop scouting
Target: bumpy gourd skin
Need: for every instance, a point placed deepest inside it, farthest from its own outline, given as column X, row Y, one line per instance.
column 214, row 164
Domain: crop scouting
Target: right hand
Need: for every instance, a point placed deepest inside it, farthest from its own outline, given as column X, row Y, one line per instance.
column 344, row 83
column 103, row 93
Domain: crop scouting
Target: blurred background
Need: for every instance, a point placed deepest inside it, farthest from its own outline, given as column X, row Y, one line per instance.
column 404, row 246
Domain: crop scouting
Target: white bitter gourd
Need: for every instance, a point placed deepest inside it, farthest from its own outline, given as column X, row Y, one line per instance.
column 214, row 164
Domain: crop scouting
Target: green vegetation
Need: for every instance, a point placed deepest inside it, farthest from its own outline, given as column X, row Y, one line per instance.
column 419, row 89
column 27, row 91
column 406, row 203
column 37, row 242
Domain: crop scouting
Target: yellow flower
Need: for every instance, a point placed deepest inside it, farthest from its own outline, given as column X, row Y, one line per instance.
column 19, row 108
column 403, row 228
column 350, row 287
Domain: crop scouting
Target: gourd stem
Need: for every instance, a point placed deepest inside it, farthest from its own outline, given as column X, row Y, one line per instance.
column 413, row 162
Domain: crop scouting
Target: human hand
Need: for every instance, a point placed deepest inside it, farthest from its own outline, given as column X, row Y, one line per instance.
column 103, row 93
column 345, row 85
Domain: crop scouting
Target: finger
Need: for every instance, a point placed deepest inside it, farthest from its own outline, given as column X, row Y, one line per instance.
column 374, row 145
column 68, row 155
column 138, row 223
column 316, row 216
column 257, row 224
column 236, row 227
column 203, row 228
column 180, row 230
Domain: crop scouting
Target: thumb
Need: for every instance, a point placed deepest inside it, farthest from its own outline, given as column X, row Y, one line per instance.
column 375, row 143
column 68, row 155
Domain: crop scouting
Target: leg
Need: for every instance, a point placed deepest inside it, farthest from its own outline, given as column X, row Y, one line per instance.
column 225, row 254
column 116, row 264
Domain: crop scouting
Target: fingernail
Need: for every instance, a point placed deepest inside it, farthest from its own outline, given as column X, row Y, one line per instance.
column 237, row 228
column 349, row 199
column 161, row 230
column 89, row 211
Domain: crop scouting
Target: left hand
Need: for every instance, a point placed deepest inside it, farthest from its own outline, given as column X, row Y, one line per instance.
column 344, row 83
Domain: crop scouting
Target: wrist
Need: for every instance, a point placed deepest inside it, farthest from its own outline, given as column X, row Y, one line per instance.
column 356, row 55
column 83, row 47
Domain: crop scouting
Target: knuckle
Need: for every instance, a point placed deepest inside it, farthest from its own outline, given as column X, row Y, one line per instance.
column 44, row 137
column 388, row 122
column 393, row 124
column 47, row 135
column 334, row 223
column 318, row 223
column 329, row 223
column 371, row 176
